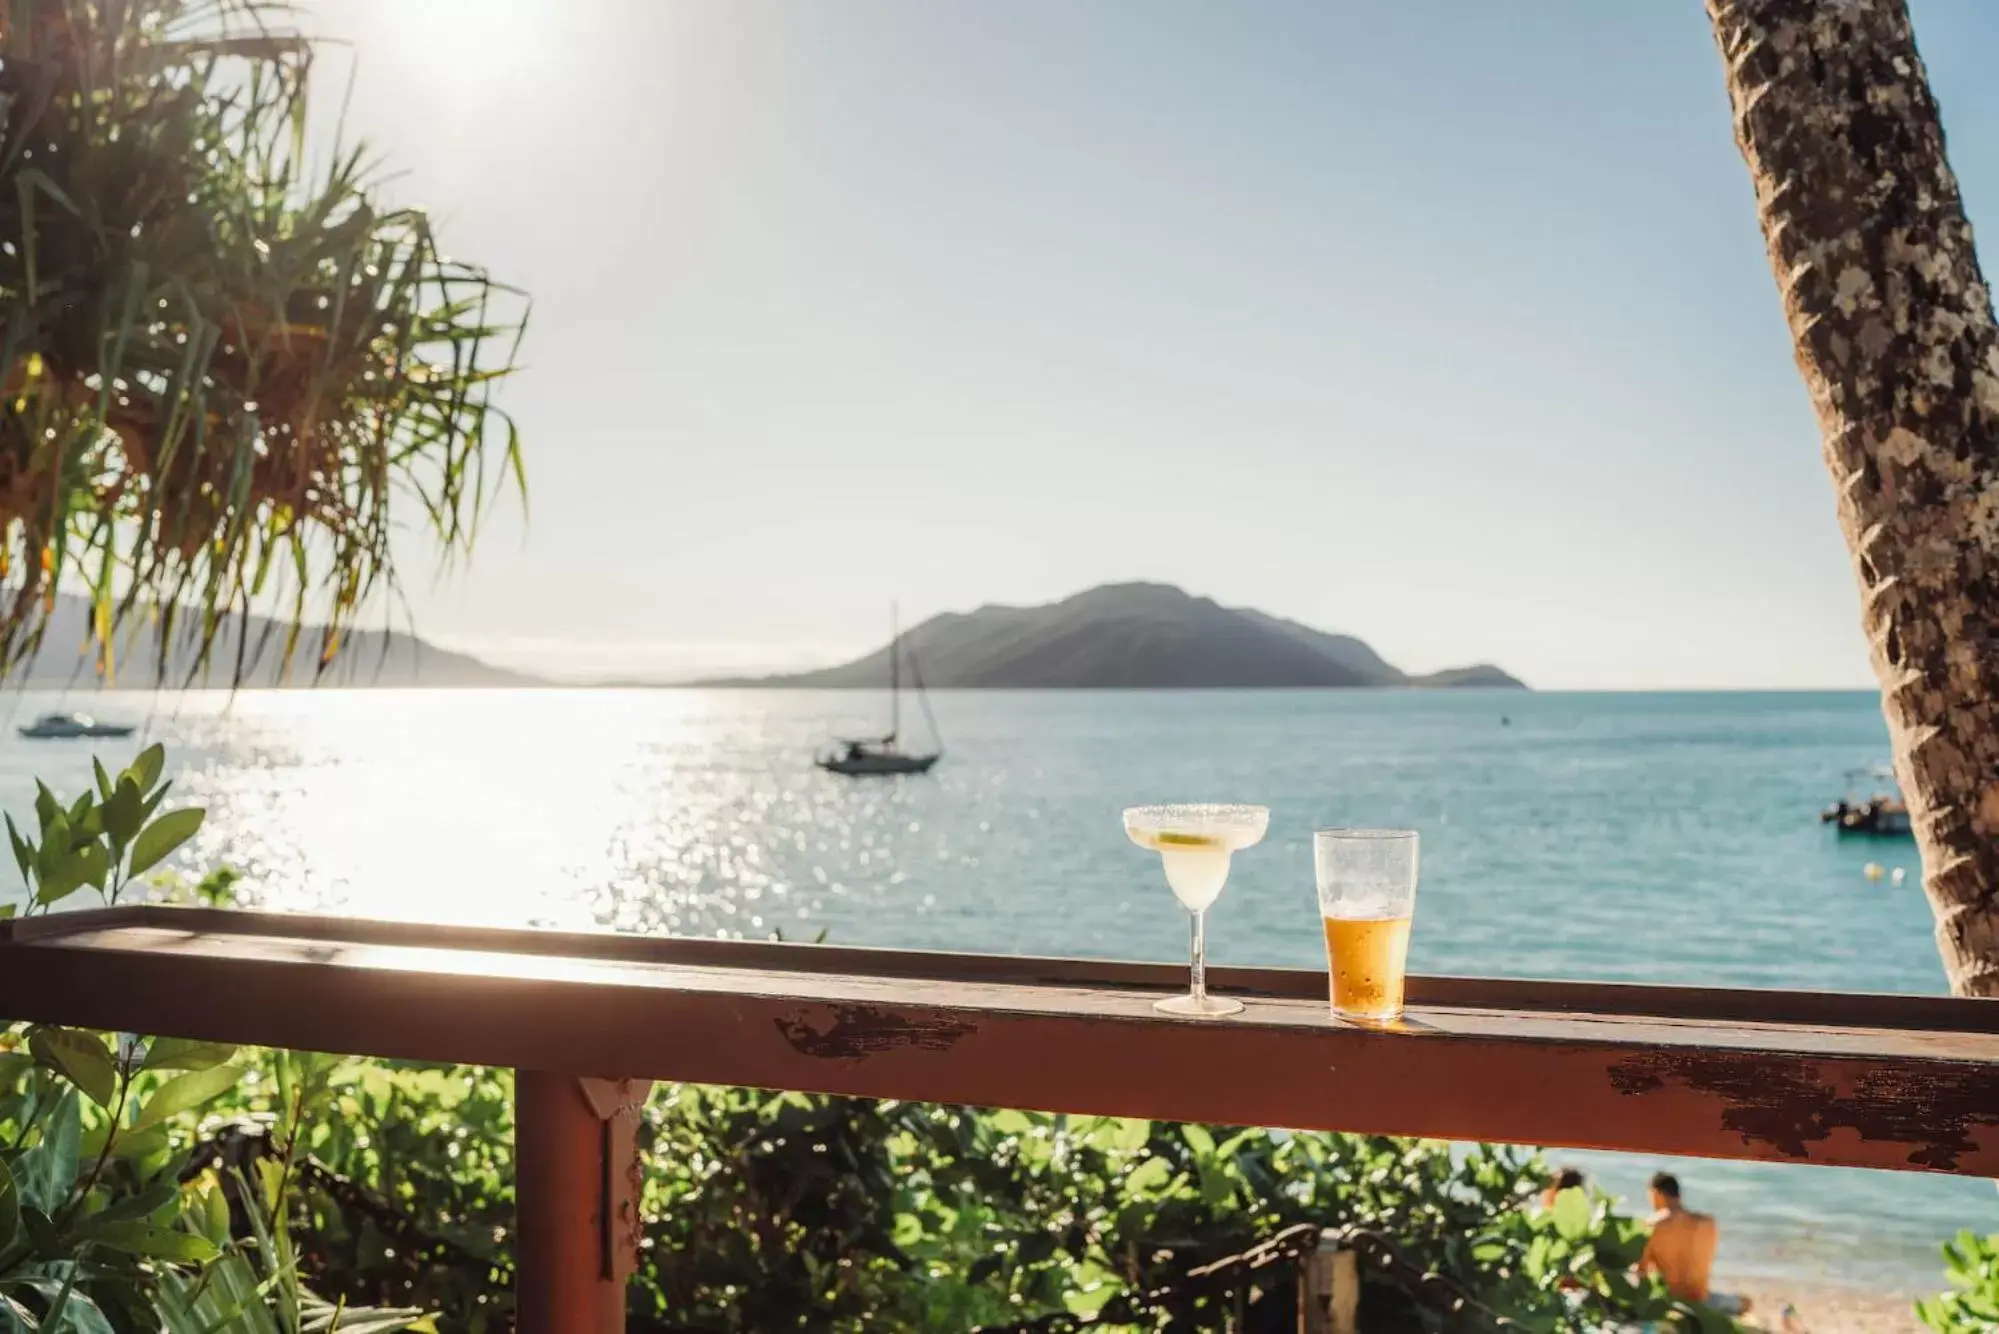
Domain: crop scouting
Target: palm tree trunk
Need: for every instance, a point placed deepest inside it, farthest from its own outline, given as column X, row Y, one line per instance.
column 1893, row 330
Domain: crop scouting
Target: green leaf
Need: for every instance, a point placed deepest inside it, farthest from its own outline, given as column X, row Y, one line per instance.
column 130, row 1144
column 1216, row 1188
column 1535, row 1263
column 83, row 1316
column 158, row 839
column 1089, row 1287
column 61, row 873
column 103, row 779
column 1572, row 1214
column 24, row 851
column 46, row 1172
column 146, row 769
column 1010, row 1122
column 141, row 1144
column 138, row 1237
column 65, row 1306
column 94, row 864
column 185, row 1091
column 215, row 1215
column 1149, row 1175
column 1198, row 1139
column 7, row 911
column 35, row 178
column 47, row 808
column 1131, row 1134
column 186, row 1054
column 79, row 1057
column 138, row 1207
column 55, row 844
column 124, row 811
column 10, row 1208
column 57, row 884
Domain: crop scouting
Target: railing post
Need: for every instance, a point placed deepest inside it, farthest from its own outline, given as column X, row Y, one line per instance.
column 576, row 1194
column 1329, row 1293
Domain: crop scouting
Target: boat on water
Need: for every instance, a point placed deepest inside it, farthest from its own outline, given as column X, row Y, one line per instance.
column 65, row 725
column 1882, row 813
column 871, row 757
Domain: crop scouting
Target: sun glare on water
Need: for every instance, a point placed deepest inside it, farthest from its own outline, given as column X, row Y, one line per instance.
column 387, row 802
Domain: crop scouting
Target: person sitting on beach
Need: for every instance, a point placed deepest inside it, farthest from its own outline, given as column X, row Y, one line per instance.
column 1681, row 1249
column 1565, row 1178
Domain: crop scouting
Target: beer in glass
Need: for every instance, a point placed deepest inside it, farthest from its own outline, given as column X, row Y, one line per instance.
column 1367, row 895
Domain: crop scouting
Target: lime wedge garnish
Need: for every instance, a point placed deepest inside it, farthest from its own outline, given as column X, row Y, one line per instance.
column 1170, row 839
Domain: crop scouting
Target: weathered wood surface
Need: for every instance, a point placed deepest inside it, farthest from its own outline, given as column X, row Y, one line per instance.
column 1329, row 1291
column 1891, row 321
column 1858, row 1080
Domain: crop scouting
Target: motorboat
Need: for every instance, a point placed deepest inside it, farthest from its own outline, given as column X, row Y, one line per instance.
column 1882, row 813
column 60, row 726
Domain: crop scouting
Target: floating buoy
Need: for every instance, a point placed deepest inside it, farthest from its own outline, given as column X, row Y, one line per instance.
column 1898, row 875
column 1873, row 870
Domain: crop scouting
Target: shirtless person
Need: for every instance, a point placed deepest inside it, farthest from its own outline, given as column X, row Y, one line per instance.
column 1681, row 1249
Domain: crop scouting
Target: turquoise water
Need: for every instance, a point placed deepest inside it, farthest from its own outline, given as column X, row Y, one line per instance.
column 1665, row 837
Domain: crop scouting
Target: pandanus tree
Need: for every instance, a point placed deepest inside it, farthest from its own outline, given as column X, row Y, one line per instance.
column 1893, row 329
column 227, row 377
column 226, row 380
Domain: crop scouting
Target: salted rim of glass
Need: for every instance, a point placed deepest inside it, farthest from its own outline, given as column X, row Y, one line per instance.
column 1358, row 834
column 1211, row 814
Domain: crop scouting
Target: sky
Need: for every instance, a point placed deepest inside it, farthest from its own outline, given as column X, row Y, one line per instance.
column 1440, row 322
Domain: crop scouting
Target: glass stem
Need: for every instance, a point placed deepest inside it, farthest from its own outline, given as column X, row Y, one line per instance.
column 1198, row 953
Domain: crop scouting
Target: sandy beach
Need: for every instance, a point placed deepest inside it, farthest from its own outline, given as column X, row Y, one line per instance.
column 1823, row 1310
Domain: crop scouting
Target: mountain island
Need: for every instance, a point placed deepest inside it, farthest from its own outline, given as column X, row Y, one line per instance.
column 1137, row 636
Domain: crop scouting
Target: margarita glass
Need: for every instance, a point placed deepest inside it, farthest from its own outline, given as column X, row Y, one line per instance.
column 1195, row 842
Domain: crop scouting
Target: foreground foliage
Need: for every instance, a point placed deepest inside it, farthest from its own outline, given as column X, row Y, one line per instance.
column 767, row 1211
column 1971, row 1306
column 822, row 1213
column 108, row 1220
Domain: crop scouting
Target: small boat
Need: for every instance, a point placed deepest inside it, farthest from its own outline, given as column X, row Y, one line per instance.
column 867, row 759
column 62, row 725
column 1883, row 813
column 870, row 757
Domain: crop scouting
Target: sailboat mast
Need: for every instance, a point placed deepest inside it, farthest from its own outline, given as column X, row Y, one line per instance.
column 894, row 671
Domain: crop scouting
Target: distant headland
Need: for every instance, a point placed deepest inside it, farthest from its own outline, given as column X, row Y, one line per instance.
column 377, row 658
column 1134, row 636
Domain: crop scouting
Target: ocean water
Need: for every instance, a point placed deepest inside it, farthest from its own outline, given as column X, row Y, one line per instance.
column 1654, row 837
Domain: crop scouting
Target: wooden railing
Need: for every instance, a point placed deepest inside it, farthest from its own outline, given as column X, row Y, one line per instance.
column 1909, row 1083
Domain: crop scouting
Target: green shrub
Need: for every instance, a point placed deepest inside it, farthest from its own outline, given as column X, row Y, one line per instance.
column 1971, row 1266
column 106, row 1225
column 105, row 1222
column 766, row 1211
column 787, row 1211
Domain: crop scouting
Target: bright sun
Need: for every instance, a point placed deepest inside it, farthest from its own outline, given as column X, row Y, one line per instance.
column 468, row 46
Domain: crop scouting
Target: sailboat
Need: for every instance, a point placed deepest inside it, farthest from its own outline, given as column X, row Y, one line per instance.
column 865, row 757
